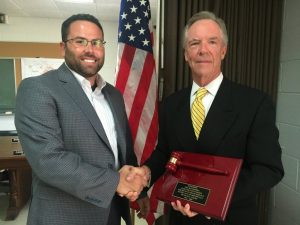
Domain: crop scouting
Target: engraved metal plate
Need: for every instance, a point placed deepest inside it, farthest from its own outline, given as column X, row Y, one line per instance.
column 191, row 193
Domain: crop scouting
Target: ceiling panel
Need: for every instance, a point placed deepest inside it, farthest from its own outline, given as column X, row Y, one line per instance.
column 103, row 9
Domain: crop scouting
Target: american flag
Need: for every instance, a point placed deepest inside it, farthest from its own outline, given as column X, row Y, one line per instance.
column 137, row 80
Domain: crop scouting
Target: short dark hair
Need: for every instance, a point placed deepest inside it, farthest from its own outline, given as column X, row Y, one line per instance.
column 66, row 24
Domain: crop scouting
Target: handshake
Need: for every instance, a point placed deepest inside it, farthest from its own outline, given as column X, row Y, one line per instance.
column 132, row 181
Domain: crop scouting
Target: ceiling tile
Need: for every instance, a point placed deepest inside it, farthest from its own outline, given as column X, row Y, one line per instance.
column 103, row 9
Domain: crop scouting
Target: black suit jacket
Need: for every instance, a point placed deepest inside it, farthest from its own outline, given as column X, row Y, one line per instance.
column 240, row 124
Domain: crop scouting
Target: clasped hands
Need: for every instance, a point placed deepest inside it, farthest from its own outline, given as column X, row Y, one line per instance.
column 132, row 181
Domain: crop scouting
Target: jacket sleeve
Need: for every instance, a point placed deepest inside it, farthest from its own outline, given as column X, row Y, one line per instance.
column 42, row 140
column 262, row 167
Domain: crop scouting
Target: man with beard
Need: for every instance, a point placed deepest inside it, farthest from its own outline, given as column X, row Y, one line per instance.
column 74, row 131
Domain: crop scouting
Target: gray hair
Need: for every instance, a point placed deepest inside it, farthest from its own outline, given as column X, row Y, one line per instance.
column 206, row 15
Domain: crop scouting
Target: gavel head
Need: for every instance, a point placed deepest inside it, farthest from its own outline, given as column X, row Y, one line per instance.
column 174, row 161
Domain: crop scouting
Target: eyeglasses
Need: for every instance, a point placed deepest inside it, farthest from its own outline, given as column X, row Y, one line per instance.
column 82, row 42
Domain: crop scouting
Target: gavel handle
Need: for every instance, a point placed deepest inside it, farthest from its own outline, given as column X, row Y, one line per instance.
column 203, row 168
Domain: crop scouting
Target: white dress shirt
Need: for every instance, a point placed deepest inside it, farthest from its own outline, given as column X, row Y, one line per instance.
column 212, row 89
column 102, row 109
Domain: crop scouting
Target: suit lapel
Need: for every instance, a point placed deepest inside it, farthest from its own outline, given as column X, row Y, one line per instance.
column 219, row 119
column 184, row 128
column 79, row 97
column 119, row 122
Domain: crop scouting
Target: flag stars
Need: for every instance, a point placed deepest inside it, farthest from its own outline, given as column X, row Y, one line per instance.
column 133, row 9
column 143, row 2
column 146, row 14
column 123, row 16
column 145, row 42
column 137, row 20
column 127, row 26
column 134, row 24
column 131, row 37
column 142, row 31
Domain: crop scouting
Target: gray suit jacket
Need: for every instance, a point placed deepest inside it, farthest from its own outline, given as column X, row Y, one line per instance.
column 74, row 180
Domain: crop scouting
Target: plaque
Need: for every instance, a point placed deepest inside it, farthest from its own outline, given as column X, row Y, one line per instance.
column 206, row 182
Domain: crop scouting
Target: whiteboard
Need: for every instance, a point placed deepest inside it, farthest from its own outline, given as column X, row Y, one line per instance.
column 36, row 66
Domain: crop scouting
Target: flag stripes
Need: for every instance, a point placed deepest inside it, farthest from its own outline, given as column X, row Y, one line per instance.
column 137, row 80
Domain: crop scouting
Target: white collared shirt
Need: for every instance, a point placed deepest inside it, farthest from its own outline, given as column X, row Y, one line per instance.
column 102, row 109
column 212, row 89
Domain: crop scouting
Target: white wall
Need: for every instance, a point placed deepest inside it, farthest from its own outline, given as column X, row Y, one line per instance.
column 286, row 196
column 22, row 29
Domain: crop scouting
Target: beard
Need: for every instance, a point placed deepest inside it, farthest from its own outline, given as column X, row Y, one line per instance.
column 79, row 66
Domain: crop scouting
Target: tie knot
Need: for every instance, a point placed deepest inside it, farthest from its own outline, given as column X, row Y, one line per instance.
column 200, row 93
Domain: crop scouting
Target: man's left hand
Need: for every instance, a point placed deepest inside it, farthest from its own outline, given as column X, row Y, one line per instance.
column 185, row 210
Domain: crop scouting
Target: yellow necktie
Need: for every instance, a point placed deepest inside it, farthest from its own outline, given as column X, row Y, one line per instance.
column 198, row 111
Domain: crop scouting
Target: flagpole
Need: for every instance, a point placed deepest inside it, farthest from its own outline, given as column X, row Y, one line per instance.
column 161, row 14
column 133, row 216
column 160, row 46
column 157, row 33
